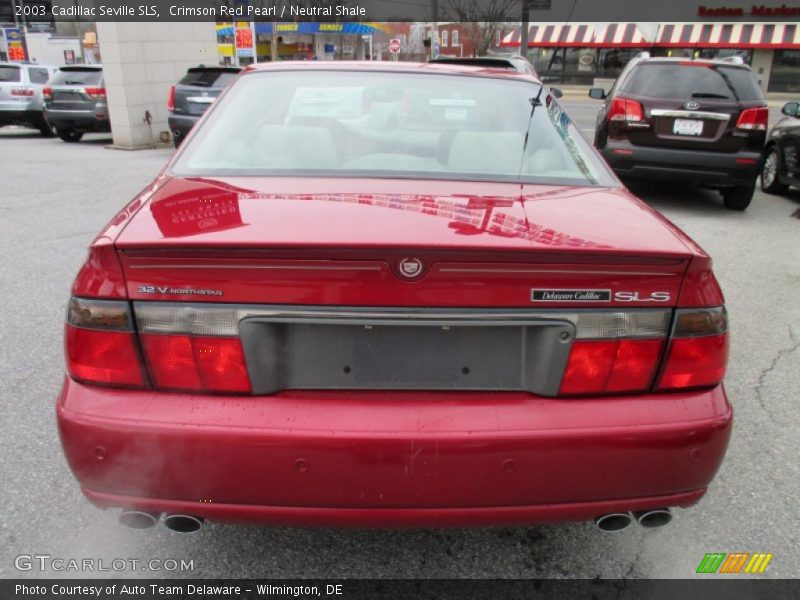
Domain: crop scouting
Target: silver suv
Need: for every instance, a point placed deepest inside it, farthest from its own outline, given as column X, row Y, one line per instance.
column 21, row 86
column 75, row 102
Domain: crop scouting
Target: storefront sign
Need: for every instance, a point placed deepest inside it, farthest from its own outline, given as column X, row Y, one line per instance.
column 756, row 10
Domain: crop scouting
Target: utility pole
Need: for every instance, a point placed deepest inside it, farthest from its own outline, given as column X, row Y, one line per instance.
column 434, row 27
column 523, row 33
column 273, row 43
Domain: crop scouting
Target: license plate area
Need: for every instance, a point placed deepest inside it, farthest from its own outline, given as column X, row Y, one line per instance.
column 690, row 127
column 398, row 354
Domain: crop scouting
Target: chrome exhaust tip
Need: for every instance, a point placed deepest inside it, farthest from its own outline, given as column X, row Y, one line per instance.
column 183, row 523
column 138, row 519
column 613, row 521
column 657, row 517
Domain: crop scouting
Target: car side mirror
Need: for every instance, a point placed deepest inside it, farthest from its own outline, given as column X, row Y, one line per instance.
column 597, row 93
column 556, row 93
column 790, row 109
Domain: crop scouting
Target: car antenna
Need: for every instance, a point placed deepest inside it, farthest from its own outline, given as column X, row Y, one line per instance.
column 535, row 101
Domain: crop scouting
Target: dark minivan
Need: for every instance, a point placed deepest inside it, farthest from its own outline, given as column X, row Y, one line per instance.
column 702, row 121
column 193, row 94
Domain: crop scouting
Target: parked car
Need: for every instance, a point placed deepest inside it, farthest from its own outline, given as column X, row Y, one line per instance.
column 781, row 167
column 517, row 63
column 702, row 121
column 21, row 101
column 450, row 323
column 193, row 94
column 514, row 62
column 75, row 102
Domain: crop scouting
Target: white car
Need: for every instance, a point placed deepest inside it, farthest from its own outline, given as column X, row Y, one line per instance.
column 21, row 101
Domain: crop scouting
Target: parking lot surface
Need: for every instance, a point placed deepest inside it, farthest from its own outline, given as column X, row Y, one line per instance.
column 57, row 196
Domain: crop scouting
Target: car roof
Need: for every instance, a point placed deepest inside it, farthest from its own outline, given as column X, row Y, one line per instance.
column 699, row 61
column 427, row 68
column 473, row 59
column 199, row 68
column 81, row 67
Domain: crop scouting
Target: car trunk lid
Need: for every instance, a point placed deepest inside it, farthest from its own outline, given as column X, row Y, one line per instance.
column 400, row 243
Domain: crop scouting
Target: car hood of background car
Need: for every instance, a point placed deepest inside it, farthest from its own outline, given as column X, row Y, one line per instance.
column 253, row 212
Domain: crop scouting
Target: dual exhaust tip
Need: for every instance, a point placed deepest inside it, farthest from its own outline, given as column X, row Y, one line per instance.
column 657, row 517
column 138, row 519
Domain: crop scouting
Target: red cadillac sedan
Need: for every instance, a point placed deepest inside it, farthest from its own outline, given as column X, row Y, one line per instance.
column 392, row 295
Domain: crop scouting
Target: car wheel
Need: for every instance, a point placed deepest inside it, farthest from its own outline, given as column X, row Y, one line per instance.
column 70, row 135
column 770, row 173
column 738, row 197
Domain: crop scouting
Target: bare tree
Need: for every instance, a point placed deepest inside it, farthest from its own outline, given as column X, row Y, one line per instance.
column 482, row 19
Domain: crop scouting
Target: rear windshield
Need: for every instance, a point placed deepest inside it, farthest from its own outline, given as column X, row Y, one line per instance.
column 660, row 80
column 77, row 77
column 356, row 124
column 9, row 73
column 208, row 78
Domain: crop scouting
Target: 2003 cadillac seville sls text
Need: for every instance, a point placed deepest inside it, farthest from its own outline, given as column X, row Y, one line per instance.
column 392, row 295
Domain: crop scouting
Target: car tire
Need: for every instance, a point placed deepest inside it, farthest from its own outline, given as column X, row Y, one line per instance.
column 70, row 135
column 770, row 172
column 739, row 196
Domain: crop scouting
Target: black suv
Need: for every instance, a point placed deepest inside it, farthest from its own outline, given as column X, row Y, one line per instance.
column 193, row 94
column 702, row 121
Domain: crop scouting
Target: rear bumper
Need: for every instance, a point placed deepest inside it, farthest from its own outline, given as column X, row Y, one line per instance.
column 79, row 119
column 716, row 168
column 392, row 459
column 181, row 125
column 10, row 116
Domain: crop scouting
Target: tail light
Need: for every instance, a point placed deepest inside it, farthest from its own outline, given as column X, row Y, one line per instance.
column 619, row 355
column 102, row 348
column 698, row 351
column 192, row 349
column 47, row 93
column 25, row 92
column 196, row 363
column 171, row 99
column 95, row 92
column 753, row 118
column 623, row 109
column 100, row 344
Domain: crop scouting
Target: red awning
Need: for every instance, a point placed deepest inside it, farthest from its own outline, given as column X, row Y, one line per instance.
column 579, row 35
column 728, row 35
column 669, row 35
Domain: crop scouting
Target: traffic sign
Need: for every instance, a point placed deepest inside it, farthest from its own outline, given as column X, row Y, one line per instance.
column 394, row 45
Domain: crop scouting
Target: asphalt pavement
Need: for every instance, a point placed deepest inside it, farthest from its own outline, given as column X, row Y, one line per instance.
column 56, row 197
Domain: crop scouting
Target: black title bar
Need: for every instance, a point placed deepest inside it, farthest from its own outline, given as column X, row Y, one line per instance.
column 32, row 11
